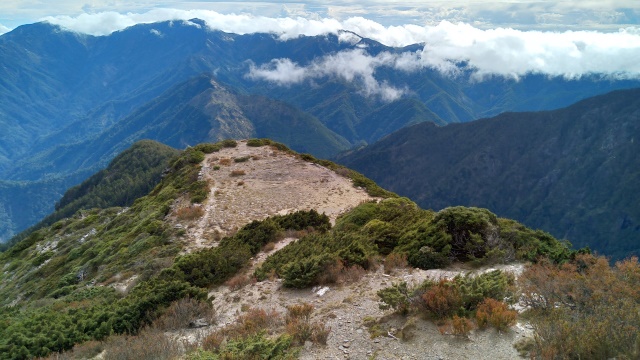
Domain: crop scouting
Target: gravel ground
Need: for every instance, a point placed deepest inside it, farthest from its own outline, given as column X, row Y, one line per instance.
column 275, row 182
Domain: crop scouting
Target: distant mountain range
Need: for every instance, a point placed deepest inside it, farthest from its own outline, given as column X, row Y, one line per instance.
column 574, row 172
column 69, row 102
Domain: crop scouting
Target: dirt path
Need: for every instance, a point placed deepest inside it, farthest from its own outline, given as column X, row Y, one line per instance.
column 268, row 182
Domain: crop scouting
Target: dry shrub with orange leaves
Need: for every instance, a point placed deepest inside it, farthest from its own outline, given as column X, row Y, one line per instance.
column 457, row 325
column 442, row 299
column 584, row 309
column 239, row 280
column 492, row 312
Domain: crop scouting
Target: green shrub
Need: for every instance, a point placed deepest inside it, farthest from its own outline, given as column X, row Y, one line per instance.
column 396, row 297
column 495, row 284
column 302, row 220
column 242, row 159
column 304, row 272
column 208, row 148
column 229, row 143
column 475, row 235
column 258, row 142
column 447, row 297
column 280, row 146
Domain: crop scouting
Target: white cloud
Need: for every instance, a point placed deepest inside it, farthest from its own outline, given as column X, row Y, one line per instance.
column 448, row 47
column 514, row 53
column 352, row 66
column 4, row 29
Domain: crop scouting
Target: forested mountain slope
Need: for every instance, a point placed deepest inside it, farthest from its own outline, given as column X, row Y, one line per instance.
column 573, row 172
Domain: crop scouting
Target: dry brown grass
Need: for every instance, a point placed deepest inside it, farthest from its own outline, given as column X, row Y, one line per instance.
column 240, row 280
column 190, row 213
column 86, row 350
column 225, row 161
column 148, row 345
column 395, row 261
column 300, row 328
column 337, row 273
column 269, row 247
column 237, row 173
column 182, row 312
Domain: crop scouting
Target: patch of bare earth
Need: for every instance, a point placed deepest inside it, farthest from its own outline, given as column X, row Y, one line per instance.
column 350, row 310
column 265, row 182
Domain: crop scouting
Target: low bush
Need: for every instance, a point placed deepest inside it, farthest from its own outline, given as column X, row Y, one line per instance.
column 242, row 159
column 298, row 325
column 258, row 142
column 492, row 312
column 397, row 297
column 255, row 347
column 446, row 298
column 442, row 299
column 208, row 148
column 475, row 235
column 229, row 143
column 461, row 325
column 584, row 309
column 239, row 281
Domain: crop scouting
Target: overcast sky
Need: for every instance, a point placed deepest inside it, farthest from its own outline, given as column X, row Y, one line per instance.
column 603, row 15
column 509, row 38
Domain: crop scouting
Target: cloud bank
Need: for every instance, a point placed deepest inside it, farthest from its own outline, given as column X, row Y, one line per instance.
column 447, row 47
column 352, row 66
column 454, row 49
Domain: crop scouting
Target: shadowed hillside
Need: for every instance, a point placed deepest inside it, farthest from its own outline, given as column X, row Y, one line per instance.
column 573, row 172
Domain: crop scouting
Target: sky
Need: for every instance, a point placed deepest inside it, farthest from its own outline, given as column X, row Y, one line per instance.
column 601, row 15
column 509, row 38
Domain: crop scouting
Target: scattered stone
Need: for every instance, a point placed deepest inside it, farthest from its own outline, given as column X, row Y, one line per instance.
column 198, row 323
column 320, row 292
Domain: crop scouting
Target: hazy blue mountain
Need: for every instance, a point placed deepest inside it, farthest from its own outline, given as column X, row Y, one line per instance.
column 71, row 102
column 51, row 78
column 196, row 111
column 574, row 172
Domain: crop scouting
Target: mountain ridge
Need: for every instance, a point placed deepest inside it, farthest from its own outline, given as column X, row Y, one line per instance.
column 60, row 90
column 565, row 171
